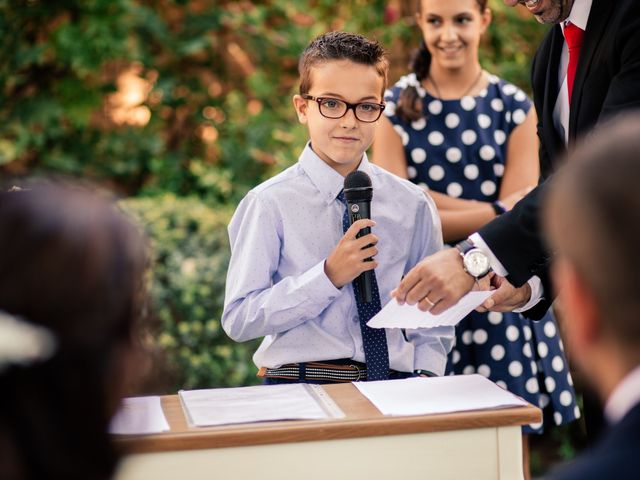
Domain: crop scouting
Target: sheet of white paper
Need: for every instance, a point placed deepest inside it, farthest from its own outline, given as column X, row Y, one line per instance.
column 139, row 416
column 394, row 315
column 424, row 396
column 221, row 406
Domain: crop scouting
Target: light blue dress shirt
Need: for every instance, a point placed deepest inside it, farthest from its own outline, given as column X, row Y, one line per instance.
column 281, row 234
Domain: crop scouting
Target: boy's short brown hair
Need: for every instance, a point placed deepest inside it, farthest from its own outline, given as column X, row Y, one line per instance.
column 341, row 46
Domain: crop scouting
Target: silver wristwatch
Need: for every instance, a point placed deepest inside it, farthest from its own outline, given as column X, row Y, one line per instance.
column 474, row 260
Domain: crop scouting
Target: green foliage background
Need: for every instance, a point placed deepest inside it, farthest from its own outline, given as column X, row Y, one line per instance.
column 217, row 78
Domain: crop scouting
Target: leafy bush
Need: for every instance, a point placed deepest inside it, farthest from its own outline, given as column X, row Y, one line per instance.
column 190, row 254
column 190, row 97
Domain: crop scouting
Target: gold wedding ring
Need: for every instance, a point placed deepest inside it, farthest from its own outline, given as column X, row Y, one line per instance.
column 426, row 299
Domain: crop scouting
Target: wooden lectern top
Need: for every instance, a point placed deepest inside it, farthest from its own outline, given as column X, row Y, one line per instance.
column 362, row 420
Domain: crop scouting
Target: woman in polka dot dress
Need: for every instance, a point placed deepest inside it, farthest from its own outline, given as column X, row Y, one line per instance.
column 469, row 138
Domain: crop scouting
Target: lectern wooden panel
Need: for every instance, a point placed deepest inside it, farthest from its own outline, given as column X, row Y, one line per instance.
column 365, row 444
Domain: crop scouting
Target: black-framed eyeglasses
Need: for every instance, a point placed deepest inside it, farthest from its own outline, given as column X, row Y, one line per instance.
column 367, row 112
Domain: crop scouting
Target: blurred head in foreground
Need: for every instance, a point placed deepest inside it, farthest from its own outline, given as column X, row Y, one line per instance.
column 592, row 217
column 71, row 295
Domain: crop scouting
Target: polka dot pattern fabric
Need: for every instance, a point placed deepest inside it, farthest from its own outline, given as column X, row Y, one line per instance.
column 459, row 148
column 374, row 340
column 523, row 356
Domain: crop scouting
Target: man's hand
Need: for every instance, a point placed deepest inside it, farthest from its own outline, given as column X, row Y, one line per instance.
column 436, row 283
column 351, row 257
column 506, row 297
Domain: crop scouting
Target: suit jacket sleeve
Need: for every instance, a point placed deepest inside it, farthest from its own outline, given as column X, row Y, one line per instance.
column 611, row 87
column 515, row 238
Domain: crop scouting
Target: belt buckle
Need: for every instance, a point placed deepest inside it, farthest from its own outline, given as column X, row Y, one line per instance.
column 359, row 377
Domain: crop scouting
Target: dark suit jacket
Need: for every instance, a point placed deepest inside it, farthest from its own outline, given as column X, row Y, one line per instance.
column 616, row 457
column 607, row 82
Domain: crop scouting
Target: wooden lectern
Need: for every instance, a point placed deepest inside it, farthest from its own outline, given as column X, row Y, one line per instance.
column 479, row 445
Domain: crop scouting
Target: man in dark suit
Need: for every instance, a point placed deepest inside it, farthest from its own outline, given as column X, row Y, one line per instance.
column 586, row 69
column 603, row 71
column 592, row 219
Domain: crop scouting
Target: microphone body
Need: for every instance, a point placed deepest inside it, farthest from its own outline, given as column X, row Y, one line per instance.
column 358, row 193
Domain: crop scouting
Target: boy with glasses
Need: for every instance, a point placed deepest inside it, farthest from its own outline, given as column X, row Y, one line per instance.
column 293, row 257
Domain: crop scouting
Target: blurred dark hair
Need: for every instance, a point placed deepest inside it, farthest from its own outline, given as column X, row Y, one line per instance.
column 595, row 207
column 70, row 262
column 409, row 106
column 334, row 46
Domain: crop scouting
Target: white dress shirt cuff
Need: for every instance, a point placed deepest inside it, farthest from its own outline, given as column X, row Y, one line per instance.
column 536, row 294
column 317, row 284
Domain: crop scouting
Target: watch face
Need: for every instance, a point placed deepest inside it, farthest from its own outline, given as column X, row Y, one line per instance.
column 476, row 263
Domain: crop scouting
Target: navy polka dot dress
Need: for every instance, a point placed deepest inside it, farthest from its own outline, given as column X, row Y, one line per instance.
column 459, row 148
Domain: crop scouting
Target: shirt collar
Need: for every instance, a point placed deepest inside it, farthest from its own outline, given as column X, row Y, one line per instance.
column 328, row 182
column 624, row 397
column 579, row 14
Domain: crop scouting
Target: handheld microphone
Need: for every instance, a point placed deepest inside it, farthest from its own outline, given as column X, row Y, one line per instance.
column 358, row 192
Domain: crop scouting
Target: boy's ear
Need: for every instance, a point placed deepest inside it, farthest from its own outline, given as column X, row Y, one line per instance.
column 301, row 106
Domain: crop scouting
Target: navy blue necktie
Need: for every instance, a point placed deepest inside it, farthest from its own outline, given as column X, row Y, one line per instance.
column 374, row 340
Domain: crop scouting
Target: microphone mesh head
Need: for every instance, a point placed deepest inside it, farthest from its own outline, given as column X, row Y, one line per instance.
column 357, row 187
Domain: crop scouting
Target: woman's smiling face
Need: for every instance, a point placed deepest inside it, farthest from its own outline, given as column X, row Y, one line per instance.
column 451, row 30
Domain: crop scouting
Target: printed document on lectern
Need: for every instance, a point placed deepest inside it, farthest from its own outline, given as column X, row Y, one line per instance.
column 263, row 403
column 394, row 315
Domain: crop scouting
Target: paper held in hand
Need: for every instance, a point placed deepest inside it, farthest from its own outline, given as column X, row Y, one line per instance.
column 394, row 315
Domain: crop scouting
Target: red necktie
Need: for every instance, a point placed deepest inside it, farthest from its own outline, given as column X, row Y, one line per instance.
column 573, row 36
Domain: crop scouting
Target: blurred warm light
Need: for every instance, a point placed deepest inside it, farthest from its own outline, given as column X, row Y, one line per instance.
column 282, row 136
column 155, row 97
column 124, row 107
column 139, row 116
column 262, row 157
column 241, row 59
column 303, row 19
column 213, row 113
column 215, row 88
column 188, row 267
column 254, row 107
column 209, row 133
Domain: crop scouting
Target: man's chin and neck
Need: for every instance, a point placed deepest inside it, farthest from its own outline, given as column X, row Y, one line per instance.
column 552, row 13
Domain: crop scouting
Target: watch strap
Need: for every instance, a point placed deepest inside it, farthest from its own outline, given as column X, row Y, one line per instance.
column 498, row 207
column 464, row 246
